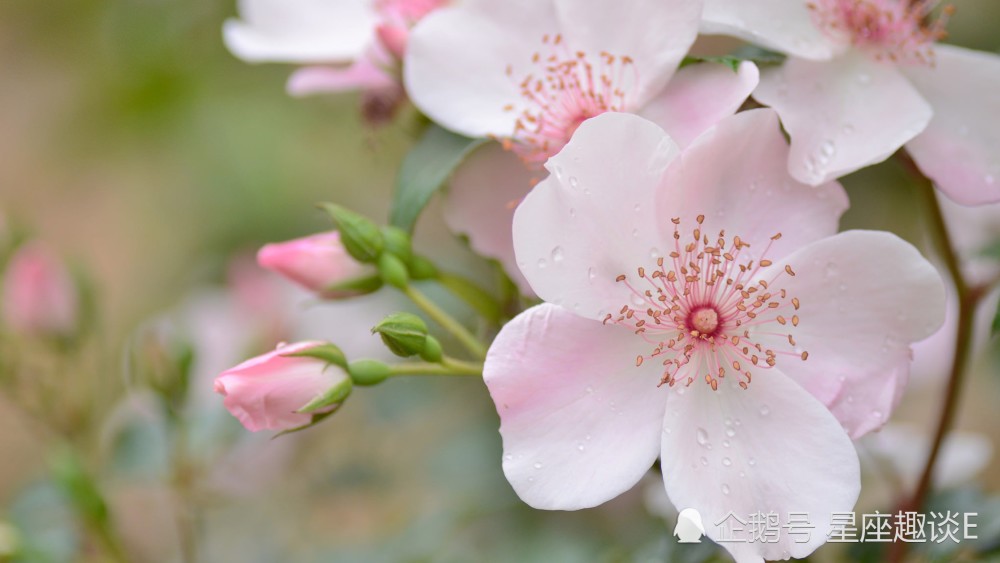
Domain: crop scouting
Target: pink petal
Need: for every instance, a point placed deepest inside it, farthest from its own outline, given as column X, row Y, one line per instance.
column 782, row 25
column 843, row 114
column 481, row 40
column 300, row 31
column 656, row 34
column 960, row 149
column 362, row 75
column 482, row 196
column 39, row 295
column 698, row 96
column 736, row 176
column 769, row 448
column 580, row 423
column 592, row 219
column 865, row 297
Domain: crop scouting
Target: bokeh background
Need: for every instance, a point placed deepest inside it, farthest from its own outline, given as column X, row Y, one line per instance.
column 156, row 163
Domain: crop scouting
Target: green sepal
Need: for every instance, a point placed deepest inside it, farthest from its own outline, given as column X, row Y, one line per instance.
column 332, row 396
column 316, row 419
column 393, row 271
column 421, row 268
column 368, row 372
column 405, row 334
column 432, row 350
column 329, row 353
column 357, row 286
column 359, row 235
column 397, row 241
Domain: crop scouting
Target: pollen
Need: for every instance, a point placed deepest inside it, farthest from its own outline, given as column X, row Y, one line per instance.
column 710, row 310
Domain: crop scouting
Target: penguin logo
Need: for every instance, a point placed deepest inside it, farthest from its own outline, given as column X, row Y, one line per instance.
column 689, row 528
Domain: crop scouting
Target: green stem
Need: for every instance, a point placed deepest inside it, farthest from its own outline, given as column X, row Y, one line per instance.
column 471, row 343
column 448, row 366
column 968, row 298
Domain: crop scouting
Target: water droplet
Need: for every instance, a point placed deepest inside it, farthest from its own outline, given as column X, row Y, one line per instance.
column 704, row 461
column 572, row 212
column 591, row 274
column 725, row 443
column 831, row 269
column 765, row 410
column 752, row 462
column 557, row 254
column 587, row 437
column 725, row 489
column 864, row 79
column 728, row 421
column 280, row 345
column 850, row 398
column 842, row 287
column 635, row 233
column 877, row 414
column 637, row 208
column 738, row 423
column 730, row 432
column 537, row 465
column 828, row 148
column 753, row 186
column 680, row 391
column 742, row 474
column 508, row 457
column 580, row 447
column 638, row 301
column 847, row 128
column 726, row 461
column 573, row 182
column 654, row 253
column 531, row 479
column 702, row 437
column 558, row 172
column 590, row 389
column 542, row 263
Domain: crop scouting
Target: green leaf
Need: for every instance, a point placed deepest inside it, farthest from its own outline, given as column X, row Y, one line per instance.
column 757, row 55
column 477, row 298
column 425, row 169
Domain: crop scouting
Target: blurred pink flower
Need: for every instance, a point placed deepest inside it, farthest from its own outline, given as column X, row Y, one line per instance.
column 866, row 77
column 39, row 296
column 705, row 314
column 317, row 263
column 265, row 392
column 542, row 67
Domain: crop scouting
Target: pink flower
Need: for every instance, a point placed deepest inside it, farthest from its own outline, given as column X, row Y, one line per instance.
column 318, row 263
column 701, row 309
column 866, row 77
column 39, row 296
column 265, row 392
column 356, row 44
column 541, row 68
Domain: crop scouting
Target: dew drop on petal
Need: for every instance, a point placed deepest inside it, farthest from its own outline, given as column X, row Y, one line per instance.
column 580, row 447
column 635, row 233
column 704, row 461
column 557, row 254
column 573, row 182
column 730, row 432
column 508, row 457
column 726, row 461
column 542, row 263
column 702, row 437
column 828, row 148
column 591, row 275
column 537, row 465
column 765, row 410
column 725, row 443
column 725, row 489
column 752, row 462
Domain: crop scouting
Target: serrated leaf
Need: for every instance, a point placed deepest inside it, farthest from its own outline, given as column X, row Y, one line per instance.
column 424, row 170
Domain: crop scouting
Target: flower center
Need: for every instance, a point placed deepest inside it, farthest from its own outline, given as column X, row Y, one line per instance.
column 564, row 90
column 711, row 306
column 902, row 31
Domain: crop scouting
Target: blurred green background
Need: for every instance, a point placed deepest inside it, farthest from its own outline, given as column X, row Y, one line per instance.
column 140, row 148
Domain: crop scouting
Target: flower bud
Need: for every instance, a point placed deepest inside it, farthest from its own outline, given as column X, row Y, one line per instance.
column 360, row 236
column 368, row 372
column 404, row 334
column 321, row 264
column 393, row 38
column 39, row 295
column 270, row 392
column 393, row 271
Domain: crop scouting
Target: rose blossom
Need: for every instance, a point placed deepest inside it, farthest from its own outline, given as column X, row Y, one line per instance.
column 318, row 263
column 39, row 296
column 701, row 309
column 528, row 72
column 265, row 392
column 866, row 77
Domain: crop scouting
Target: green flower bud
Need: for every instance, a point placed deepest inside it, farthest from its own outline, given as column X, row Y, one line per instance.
column 397, row 241
column 368, row 372
column 393, row 271
column 359, row 235
column 422, row 268
column 432, row 350
column 404, row 334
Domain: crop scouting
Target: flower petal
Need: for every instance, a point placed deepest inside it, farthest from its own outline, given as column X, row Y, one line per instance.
column 483, row 39
column 842, row 114
column 769, row 448
column 592, row 220
column 960, row 149
column 300, row 31
column 482, row 195
column 783, row 25
column 656, row 34
column 865, row 297
column 736, row 175
column 698, row 96
column 580, row 423
column 362, row 75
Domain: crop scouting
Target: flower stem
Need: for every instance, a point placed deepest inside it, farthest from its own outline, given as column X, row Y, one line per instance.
column 447, row 322
column 968, row 298
column 448, row 366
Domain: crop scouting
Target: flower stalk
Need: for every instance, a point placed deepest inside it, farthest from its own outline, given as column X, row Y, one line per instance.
column 446, row 321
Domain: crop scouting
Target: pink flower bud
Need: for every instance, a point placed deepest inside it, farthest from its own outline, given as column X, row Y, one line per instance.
column 393, row 38
column 316, row 262
column 39, row 296
column 265, row 392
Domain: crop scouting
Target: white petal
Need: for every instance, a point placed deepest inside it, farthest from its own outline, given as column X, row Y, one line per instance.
column 457, row 60
column 782, row 25
column 736, row 175
column 843, row 114
column 592, row 219
column 300, row 31
column 698, row 96
column 580, row 423
column 865, row 297
column 482, row 195
column 656, row 34
column 960, row 149
column 771, row 447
